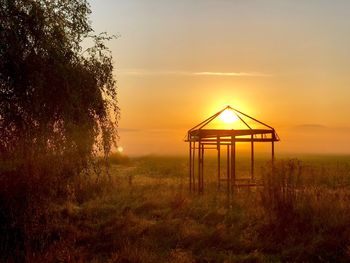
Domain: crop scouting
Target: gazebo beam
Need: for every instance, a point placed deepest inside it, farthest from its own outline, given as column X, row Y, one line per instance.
column 228, row 169
column 199, row 166
column 252, row 158
column 219, row 160
column 233, row 162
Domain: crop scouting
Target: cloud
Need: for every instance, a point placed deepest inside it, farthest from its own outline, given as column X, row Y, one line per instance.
column 311, row 126
column 142, row 72
column 232, row 74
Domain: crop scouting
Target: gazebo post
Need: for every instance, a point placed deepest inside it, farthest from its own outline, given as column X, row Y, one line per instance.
column 273, row 146
column 252, row 157
column 228, row 168
column 199, row 165
column 193, row 166
column 190, row 165
column 218, row 148
column 233, row 162
column 202, row 170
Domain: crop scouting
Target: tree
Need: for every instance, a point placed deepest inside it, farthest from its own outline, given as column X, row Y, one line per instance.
column 58, row 109
column 56, row 100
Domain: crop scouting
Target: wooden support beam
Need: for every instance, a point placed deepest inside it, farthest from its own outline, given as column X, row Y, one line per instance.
column 212, row 141
column 202, row 170
column 233, row 162
column 205, row 122
column 212, row 133
column 193, row 166
column 219, row 161
column 209, row 148
column 228, row 168
column 190, row 166
column 252, row 159
column 252, row 118
column 199, row 165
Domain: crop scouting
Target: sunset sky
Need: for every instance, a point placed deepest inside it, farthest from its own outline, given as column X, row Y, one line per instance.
column 286, row 63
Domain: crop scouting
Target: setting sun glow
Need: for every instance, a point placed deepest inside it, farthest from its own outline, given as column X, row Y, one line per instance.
column 228, row 116
column 290, row 67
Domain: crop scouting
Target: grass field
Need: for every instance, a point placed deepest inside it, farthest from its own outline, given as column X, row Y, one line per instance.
column 145, row 213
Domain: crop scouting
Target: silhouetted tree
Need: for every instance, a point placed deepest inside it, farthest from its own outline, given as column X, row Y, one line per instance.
column 58, row 110
column 55, row 99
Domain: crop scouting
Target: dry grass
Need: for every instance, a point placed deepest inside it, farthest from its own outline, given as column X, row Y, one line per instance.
column 144, row 213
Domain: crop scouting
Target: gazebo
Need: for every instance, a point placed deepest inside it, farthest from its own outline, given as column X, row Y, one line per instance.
column 244, row 128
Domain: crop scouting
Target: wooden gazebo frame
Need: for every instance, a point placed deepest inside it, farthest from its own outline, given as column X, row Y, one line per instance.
column 200, row 139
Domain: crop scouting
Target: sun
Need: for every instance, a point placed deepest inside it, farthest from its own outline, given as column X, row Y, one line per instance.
column 228, row 116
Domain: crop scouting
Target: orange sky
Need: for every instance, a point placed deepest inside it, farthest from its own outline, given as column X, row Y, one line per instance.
column 286, row 63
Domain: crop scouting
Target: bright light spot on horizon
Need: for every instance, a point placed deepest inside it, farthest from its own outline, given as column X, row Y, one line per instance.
column 228, row 116
column 120, row 149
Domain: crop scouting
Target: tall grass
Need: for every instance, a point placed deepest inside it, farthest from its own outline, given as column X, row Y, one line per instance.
column 306, row 214
column 29, row 194
column 282, row 185
column 301, row 214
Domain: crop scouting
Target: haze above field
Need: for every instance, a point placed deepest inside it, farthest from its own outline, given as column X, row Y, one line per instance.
column 286, row 63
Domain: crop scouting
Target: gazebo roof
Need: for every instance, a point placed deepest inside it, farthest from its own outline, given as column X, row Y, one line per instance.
column 251, row 129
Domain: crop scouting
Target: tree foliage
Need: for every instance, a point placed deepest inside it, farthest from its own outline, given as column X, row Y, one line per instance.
column 56, row 99
column 58, row 111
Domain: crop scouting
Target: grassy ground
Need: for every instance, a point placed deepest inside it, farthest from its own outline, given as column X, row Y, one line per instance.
column 145, row 213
